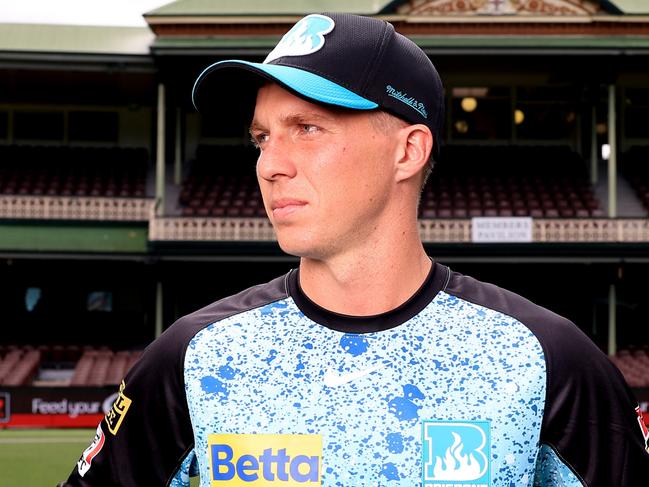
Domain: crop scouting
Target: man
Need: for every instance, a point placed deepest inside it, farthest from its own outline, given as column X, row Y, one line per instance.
column 371, row 364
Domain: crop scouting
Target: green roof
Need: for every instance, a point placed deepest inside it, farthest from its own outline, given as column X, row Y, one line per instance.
column 300, row 7
column 268, row 7
column 632, row 6
column 81, row 39
column 262, row 44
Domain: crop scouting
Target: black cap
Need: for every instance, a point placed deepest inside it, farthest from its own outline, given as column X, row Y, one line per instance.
column 344, row 60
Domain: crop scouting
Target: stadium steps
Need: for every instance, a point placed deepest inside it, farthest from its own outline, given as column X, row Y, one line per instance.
column 628, row 203
column 634, row 365
column 103, row 367
column 634, row 166
column 19, row 366
column 25, row 370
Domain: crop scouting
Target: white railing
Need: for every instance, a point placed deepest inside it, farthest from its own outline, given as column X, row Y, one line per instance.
column 211, row 229
column 260, row 230
column 432, row 231
column 75, row 208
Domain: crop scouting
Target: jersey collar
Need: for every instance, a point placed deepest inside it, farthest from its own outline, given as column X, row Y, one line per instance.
column 435, row 281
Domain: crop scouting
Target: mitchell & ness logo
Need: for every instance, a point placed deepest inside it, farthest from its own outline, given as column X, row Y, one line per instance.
column 411, row 101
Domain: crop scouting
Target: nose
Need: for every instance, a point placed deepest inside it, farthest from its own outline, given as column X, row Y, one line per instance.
column 275, row 161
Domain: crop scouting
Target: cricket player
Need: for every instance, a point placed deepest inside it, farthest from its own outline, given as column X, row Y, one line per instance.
column 371, row 364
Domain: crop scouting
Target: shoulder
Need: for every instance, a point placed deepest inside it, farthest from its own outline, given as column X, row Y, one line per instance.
column 569, row 352
column 170, row 346
column 499, row 299
column 251, row 298
column 556, row 334
column 589, row 410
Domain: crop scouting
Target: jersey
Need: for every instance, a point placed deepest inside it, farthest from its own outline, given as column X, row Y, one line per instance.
column 464, row 384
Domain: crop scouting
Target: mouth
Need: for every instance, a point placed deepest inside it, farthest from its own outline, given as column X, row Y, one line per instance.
column 283, row 208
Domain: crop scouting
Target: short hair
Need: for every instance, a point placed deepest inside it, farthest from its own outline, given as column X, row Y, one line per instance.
column 385, row 122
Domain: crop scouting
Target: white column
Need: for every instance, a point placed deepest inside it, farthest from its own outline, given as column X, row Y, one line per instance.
column 158, row 309
column 160, row 153
column 178, row 154
column 612, row 320
column 594, row 150
column 612, row 160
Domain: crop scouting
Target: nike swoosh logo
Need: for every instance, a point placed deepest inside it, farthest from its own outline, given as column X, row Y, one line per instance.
column 331, row 379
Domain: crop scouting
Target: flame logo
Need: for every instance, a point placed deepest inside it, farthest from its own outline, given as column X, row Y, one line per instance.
column 455, row 465
column 455, row 451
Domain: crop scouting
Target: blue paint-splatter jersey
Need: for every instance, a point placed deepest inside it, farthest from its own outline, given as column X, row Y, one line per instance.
column 466, row 384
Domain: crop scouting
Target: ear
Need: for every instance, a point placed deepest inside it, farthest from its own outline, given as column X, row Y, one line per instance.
column 416, row 144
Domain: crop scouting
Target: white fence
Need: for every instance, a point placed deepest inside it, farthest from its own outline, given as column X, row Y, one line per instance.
column 75, row 208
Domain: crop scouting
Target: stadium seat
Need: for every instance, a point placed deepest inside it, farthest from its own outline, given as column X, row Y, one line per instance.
column 634, row 365
column 24, row 370
column 542, row 182
column 73, row 171
column 9, row 362
column 217, row 188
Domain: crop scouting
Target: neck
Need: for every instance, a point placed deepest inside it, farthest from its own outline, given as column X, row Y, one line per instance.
column 379, row 277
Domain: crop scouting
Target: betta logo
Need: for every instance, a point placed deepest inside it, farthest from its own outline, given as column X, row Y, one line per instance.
column 306, row 37
column 287, row 460
column 456, row 453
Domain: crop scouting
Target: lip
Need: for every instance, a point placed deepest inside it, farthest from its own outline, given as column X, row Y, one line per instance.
column 285, row 207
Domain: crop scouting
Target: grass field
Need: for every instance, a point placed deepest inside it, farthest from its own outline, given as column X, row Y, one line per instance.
column 40, row 457
column 35, row 458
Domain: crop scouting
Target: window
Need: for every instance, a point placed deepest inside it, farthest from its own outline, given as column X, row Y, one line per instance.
column 544, row 113
column 222, row 125
column 636, row 120
column 4, row 125
column 35, row 125
column 93, row 126
column 480, row 113
column 100, row 301
column 32, row 298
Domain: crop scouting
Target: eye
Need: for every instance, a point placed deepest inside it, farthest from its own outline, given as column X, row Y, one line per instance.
column 309, row 128
column 258, row 139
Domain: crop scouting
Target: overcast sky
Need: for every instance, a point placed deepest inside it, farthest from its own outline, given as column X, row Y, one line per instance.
column 84, row 12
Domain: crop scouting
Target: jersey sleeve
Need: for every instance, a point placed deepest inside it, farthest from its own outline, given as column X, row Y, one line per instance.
column 146, row 438
column 592, row 433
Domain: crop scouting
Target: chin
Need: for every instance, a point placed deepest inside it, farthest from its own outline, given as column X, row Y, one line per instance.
column 297, row 244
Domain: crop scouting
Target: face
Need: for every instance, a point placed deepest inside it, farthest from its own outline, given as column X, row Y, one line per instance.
column 325, row 175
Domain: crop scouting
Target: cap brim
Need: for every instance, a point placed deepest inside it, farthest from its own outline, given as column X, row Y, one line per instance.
column 210, row 85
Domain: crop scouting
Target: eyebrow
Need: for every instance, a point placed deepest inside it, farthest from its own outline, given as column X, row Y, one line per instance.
column 295, row 118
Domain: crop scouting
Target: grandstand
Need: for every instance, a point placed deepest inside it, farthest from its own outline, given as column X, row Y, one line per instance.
column 121, row 208
column 73, row 171
column 64, row 365
column 475, row 181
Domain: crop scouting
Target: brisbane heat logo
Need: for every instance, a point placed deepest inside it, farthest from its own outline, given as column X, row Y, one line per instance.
column 306, row 37
column 456, row 453
column 287, row 460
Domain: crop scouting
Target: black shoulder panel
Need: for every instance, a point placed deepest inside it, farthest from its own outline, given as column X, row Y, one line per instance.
column 148, row 433
column 589, row 417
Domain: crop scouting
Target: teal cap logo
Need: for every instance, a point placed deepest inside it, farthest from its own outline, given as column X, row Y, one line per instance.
column 456, row 453
column 305, row 37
